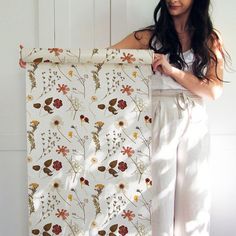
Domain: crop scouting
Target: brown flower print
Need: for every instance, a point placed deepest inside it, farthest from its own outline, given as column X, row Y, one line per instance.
column 129, row 58
column 63, row 88
column 62, row 213
column 57, row 51
column 127, row 89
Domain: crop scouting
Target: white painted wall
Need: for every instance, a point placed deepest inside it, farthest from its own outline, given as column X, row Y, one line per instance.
column 88, row 24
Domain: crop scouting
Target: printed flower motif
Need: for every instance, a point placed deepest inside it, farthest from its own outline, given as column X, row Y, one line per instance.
column 56, row 229
column 127, row 89
column 148, row 181
column 148, row 119
column 123, row 230
column 134, row 74
column 70, row 134
column 62, row 150
column 84, row 118
column 56, row 122
column 62, row 213
column 84, row 181
column 128, row 150
column 57, row 51
column 122, row 186
column 135, row 135
column 29, row 98
column 136, row 198
column 34, row 186
column 94, row 98
column 122, row 166
column 121, row 123
column 128, row 214
column 56, row 184
column 22, row 63
column 129, row 58
column 63, row 88
column 57, row 103
column 122, row 104
column 70, row 197
column 70, row 73
column 57, row 165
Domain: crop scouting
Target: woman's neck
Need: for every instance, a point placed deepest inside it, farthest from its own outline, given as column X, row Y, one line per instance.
column 180, row 22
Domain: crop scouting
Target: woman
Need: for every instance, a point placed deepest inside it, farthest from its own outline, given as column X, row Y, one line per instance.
column 188, row 68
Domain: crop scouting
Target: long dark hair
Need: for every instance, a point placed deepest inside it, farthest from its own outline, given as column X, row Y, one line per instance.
column 201, row 32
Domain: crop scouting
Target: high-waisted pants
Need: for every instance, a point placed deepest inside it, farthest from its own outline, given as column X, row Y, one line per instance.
column 180, row 165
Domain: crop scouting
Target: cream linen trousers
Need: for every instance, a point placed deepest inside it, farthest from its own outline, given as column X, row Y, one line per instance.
column 180, row 165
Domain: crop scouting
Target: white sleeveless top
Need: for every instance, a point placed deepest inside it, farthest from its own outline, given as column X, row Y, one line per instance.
column 161, row 81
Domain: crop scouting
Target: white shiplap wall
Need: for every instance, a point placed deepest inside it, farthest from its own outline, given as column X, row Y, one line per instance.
column 88, row 24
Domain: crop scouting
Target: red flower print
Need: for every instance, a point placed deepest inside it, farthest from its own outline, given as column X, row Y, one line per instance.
column 129, row 58
column 57, row 51
column 128, row 214
column 84, row 181
column 57, row 103
column 62, row 150
column 128, row 150
column 122, row 104
column 127, row 89
column 123, row 230
column 63, row 88
column 57, row 165
column 62, row 213
column 56, row 229
column 22, row 63
column 122, row 166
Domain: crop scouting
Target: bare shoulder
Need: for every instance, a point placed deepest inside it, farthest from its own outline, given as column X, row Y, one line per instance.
column 135, row 40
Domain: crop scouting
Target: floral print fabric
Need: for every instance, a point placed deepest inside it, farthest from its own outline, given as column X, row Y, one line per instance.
column 88, row 141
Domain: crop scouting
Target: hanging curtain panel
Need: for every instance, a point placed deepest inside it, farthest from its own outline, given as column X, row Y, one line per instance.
column 88, row 141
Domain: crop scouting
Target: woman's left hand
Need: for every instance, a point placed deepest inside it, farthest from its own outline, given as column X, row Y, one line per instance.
column 161, row 64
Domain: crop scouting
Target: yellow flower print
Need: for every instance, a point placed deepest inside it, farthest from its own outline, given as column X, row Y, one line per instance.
column 135, row 198
column 93, row 98
column 134, row 74
column 70, row 197
column 135, row 135
column 70, row 134
column 29, row 98
column 70, row 73
column 34, row 185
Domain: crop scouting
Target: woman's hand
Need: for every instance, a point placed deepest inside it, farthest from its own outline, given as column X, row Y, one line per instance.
column 161, row 64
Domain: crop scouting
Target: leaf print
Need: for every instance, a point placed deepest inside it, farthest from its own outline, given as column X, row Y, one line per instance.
column 47, row 171
column 112, row 110
column 36, row 167
column 48, row 109
column 113, row 102
column 35, row 231
column 48, row 101
column 113, row 228
column 101, row 106
column 113, row 172
column 102, row 168
column 47, row 227
column 48, row 163
column 37, row 60
column 37, row 105
column 111, row 234
column 113, row 164
column 102, row 232
column 46, row 234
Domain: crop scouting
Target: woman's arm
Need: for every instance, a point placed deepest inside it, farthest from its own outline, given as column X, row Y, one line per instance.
column 130, row 42
column 211, row 89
